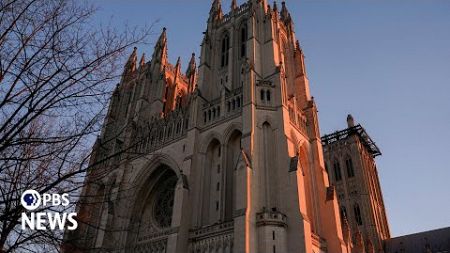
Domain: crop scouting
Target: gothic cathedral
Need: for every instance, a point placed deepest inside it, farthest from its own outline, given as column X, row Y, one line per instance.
column 223, row 157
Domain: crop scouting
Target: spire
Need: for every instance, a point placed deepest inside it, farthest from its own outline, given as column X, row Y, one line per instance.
column 350, row 121
column 297, row 46
column 178, row 66
column 162, row 40
column 142, row 61
column 284, row 14
column 275, row 7
column 300, row 59
column 130, row 66
column 160, row 51
column 192, row 66
column 216, row 10
column 191, row 73
column 234, row 5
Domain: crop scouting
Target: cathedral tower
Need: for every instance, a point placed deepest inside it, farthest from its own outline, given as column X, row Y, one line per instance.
column 223, row 158
column 349, row 156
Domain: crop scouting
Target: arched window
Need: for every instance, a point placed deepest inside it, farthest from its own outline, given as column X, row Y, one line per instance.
column 243, row 41
column 262, row 95
column 232, row 153
column 358, row 217
column 224, row 51
column 154, row 209
column 337, row 171
column 211, row 213
column 349, row 165
column 268, row 95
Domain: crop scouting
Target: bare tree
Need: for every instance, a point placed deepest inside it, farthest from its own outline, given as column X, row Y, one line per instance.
column 56, row 75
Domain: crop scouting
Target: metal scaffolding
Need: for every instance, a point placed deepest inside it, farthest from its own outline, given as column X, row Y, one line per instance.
column 344, row 134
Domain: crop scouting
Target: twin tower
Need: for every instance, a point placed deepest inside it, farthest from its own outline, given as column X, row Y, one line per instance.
column 224, row 157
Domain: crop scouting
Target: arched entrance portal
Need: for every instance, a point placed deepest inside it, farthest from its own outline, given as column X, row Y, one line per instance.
column 153, row 211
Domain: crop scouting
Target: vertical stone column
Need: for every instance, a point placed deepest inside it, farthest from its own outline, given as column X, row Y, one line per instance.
column 177, row 242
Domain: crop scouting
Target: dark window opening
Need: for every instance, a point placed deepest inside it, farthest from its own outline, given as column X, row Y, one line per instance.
column 358, row 217
column 350, row 171
column 337, row 171
column 224, row 52
column 244, row 41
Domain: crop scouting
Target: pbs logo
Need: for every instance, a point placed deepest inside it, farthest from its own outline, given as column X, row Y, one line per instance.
column 30, row 199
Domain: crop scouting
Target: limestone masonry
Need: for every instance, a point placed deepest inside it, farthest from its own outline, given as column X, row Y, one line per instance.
column 227, row 156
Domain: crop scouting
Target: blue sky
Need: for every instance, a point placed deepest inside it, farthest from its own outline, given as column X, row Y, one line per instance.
column 385, row 62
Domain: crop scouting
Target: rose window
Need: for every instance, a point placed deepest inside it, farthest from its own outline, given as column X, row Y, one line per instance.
column 163, row 201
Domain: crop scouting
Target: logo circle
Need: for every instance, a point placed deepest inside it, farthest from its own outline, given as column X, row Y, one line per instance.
column 30, row 199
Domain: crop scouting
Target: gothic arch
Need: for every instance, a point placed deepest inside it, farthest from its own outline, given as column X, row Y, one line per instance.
column 349, row 168
column 232, row 156
column 153, row 200
column 337, row 169
column 157, row 160
column 224, row 48
column 233, row 127
column 211, row 174
column 269, row 120
column 242, row 39
column 207, row 140
column 268, row 162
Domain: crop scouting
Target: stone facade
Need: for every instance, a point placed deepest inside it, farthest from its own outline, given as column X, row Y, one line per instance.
column 434, row 241
column 226, row 157
column 349, row 159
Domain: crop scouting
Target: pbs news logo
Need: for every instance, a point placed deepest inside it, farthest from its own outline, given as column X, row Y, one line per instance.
column 32, row 200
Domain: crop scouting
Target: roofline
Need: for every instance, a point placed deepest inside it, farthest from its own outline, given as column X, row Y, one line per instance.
column 365, row 139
